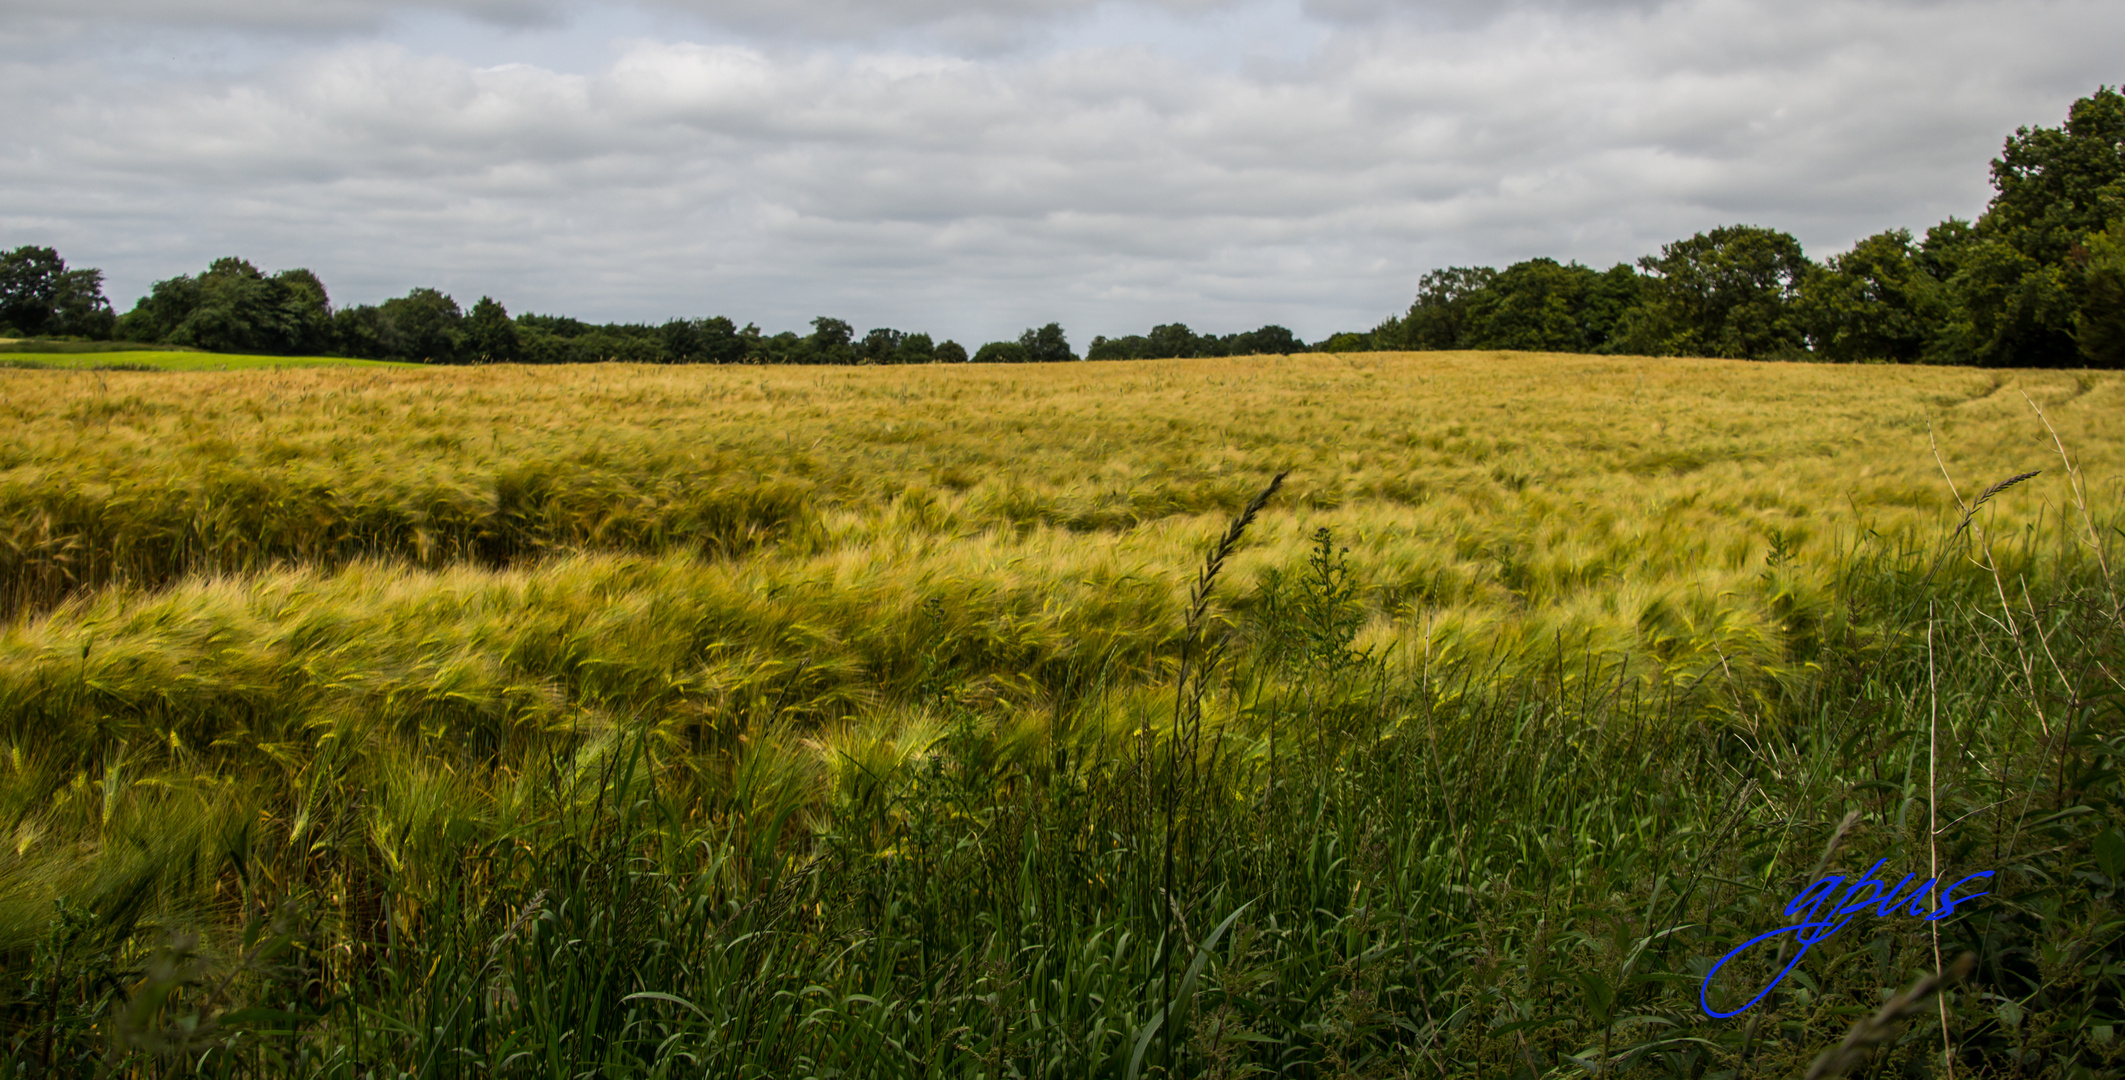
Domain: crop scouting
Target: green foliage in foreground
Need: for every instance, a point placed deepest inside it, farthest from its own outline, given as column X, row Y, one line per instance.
column 1350, row 876
column 138, row 359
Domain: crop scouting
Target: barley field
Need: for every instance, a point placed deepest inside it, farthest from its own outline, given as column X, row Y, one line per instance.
column 989, row 720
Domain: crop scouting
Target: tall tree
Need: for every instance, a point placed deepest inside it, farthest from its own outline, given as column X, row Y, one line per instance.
column 2099, row 324
column 915, row 349
column 424, row 325
column 2012, row 275
column 879, row 346
column 40, row 296
column 1438, row 318
column 1729, row 292
column 1001, row 352
column 233, row 307
column 831, row 342
column 1877, row 301
column 1046, row 345
column 490, row 337
column 1538, row 306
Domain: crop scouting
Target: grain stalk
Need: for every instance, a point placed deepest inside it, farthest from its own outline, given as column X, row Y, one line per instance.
column 1186, row 732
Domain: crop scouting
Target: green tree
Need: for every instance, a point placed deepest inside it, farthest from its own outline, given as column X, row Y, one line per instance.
column 1001, row 352
column 2099, row 324
column 1438, row 318
column 39, row 296
column 423, row 326
column 830, row 343
column 1877, row 301
column 1122, row 348
column 1729, row 292
column 490, row 337
column 951, row 352
column 1271, row 340
column 915, row 349
column 233, row 307
column 1046, row 345
column 2012, row 276
column 717, row 340
column 679, row 341
column 2057, row 186
column 1537, row 306
column 879, row 346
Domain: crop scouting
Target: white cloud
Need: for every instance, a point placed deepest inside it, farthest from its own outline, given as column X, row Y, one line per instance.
column 1106, row 184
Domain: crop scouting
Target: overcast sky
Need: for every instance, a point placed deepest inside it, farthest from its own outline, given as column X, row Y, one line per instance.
column 973, row 167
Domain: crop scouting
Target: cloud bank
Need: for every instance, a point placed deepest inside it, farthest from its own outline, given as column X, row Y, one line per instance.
column 971, row 169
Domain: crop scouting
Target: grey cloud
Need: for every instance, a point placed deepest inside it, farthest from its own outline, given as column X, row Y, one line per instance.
column 1106, row 187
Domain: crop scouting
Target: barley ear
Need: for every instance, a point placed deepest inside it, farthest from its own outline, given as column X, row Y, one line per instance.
column 1871, row 1032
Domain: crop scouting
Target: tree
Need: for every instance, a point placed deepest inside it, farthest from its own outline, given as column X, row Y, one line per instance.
column 879, row 346
column 951, row 352
column 424, row 326
column 233, row 307
column 721, row 342
column 2099, row 324
column 1001, row 352
column 2011, row 276
column 1438, row 317
column 1537, row 306
column 2057, row 186
column 1874, row 302
column 489, row 335
column 830, row 342
column 39, row 296
column 1169, row 341
column 916, row 349
column 1046, row 345
column 1106, row 348
column 1271, row 340
column 1729, row 292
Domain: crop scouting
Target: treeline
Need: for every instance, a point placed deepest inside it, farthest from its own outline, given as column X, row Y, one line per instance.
column 233, row 307
column 2038, row 280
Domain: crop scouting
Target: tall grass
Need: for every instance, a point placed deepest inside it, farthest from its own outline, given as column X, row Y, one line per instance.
column 889, row 796
column 1439, row 874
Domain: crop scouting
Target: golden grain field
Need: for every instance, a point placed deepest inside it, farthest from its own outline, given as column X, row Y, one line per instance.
column 1494, row 502
column 334, row 628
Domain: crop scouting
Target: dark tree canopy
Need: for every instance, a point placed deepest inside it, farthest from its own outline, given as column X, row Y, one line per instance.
column 2099, row 324
column 916, row 349
column 1729, row 292
column 489, row 336
column 1001, row 352
column 1046, row 345
column 830, row 343
column 1171, row 340
column 233, row 307
column 1874, row 302
column 2015, row 277
column 40, row 297
column 1438, row 319
column 880, row 346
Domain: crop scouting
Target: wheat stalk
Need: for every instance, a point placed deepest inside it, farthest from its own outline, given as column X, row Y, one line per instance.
column 1875, row 1030
column 1986, row 495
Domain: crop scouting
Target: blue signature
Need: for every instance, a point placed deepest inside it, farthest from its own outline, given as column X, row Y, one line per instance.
column 1810, row 930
